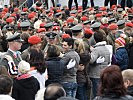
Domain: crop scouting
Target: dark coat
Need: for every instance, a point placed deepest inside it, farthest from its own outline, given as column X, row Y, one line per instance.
column 122, row 58
column 130, row 90
column 25, row 89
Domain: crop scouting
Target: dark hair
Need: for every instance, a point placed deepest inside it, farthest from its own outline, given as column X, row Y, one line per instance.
column 112, row 82
column 5, row 84
column 98, row 36
column 54, row 91
column 37, row 60
column 67, row 98
column 68, row 31
column 53, row 51
column 70, row 41
column 87, row 35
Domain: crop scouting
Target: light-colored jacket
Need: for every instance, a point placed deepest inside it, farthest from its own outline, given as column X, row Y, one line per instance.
column 100, row 50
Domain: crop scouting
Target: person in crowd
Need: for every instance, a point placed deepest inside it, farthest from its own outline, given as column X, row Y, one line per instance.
column 112, row 85
column 100, row 58
column 121, row 54
column 128, row 80
column 25, row 86
column 69, row 78
column 6, row 84
column 38, row 67
column 54, row 91
column 46, row 1
column 114, row 2
column 11, row 58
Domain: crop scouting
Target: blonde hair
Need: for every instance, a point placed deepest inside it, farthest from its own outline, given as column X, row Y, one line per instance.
column 128, row 75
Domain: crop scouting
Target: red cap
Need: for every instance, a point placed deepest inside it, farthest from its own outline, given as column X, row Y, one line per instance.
column 90, row 9
column 9, row 20
column 58, row 10
column 113, row 26
column 64, row 36
column 98, row 15
column 56, row 28
column 31, row 16
column 84, row 18
column 79, row 7
column 88, row 31
column 79, row 11
column 25, row 9
column 34, row 39
column 5, row 10
column 103, row 8
column 41, row 30
column 16, row 9
column 70, row 20
column 113, row 7
column 129, row 24
column 73, row 15
column 42, row 25
column 50, row 14
column 13, row 15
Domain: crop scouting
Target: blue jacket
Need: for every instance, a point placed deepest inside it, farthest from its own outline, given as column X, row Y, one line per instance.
column 122, row 58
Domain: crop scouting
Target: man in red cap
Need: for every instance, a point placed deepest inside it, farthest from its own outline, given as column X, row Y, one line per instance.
column 35, row 43
column 112, row 35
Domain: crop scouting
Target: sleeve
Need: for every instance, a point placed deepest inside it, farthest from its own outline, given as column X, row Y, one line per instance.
column 94, row 56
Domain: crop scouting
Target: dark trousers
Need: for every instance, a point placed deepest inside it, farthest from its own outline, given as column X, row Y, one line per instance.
column 92, row 3
column 46, row 1
column 84, row 4
column 70, row 4
column 112, row 2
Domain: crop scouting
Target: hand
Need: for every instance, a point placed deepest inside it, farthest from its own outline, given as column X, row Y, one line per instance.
column 100, row 60
column 71, row 64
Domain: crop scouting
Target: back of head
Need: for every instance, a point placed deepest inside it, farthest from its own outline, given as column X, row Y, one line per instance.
column 5, row 84
column 112, row 81
column 98, row 36
column 53, row 92
column 128, row 75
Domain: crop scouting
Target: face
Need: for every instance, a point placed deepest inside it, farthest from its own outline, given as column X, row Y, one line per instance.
column 113, row 31
column 65, row 46
column 17, row 45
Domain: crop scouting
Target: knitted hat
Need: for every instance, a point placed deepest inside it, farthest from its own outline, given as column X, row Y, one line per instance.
column 120, row 41
column 23, row 67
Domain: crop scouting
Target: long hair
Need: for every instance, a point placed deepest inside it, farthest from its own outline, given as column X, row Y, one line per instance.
column 37, row 60
column 112, row 82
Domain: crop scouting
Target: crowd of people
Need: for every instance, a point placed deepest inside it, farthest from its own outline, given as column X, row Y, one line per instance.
column 68, row 53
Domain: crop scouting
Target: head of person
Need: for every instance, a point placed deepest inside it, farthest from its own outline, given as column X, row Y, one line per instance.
column 23, row 67
column 112, row 82
column 98, row 36
column 113, row 28
column 37, row 60
column 128, row 77
column 67, row 44
column 53, row 51
column 6, row 84
column 54, row 91
column 15, row 42
column 35, row 42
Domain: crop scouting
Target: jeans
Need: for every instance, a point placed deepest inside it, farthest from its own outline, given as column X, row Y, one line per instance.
column 70, row 88
column 81, row 91
column 95, row 83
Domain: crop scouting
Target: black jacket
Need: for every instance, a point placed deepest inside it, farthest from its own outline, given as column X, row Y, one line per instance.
column 25, row 89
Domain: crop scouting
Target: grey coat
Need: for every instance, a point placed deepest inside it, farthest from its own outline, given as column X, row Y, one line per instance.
column 95, row 68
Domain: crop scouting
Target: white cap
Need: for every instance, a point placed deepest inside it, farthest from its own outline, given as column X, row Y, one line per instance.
column 23, row 67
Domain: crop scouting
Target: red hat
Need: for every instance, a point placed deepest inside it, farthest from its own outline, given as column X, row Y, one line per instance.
column 41, row 30
column 129, row 24
column 58, row 10
column 113, row 7
column 120, row 41
column 70, row 20
column 5, row 10
column 25, row 9
column 79, row 7
column 31, row 16
column 90, row 9
column 98, row 15
column 73, row 15
column 50, row 14
column 113, row 26
column 84, row 18
column 103, row 8
column 42, row 25
column 79, row 11
column 88, row 31
column 56, row 28
column 9, row 20
column 13, row 15
column 64, row 36
column 34, row 39
column 16, row 9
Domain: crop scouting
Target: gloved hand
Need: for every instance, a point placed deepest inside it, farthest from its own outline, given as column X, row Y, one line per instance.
column 100, row 60
column 71, row 64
